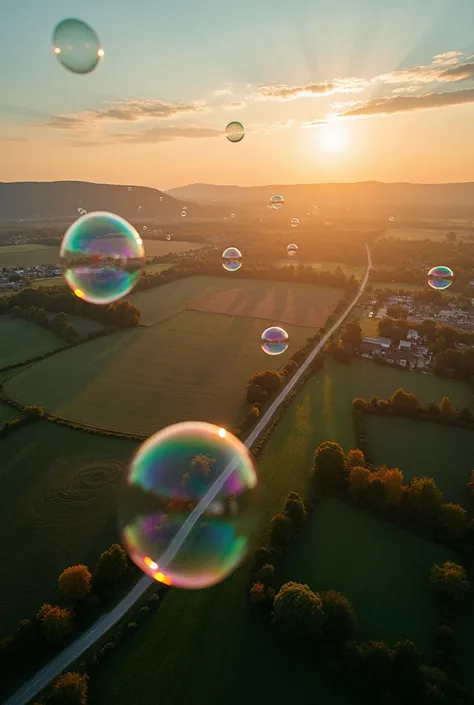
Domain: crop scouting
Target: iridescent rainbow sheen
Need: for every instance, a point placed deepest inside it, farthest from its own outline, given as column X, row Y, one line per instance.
column 101, row 257
column 232, row 259
column 440, row 278
column 292, row 249
column 276, row 202
column 76, row 46
column 275, row 340
column 189, row 505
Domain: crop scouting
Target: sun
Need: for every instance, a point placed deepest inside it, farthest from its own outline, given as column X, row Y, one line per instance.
column 332, row 137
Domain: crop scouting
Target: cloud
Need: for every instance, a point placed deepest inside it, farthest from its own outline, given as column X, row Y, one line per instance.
column 405, row 103
column 310, row 90
column 266, row 128
column 221, row 92
column 235, row 105
column 443, row 68
column 126, row 111
column 167, row 133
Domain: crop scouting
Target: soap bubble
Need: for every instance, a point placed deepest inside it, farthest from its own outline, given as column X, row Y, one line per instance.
column 275, row 340
column 161, row 198
column 129, row 188
column 232, row 259
column 145, row 227
column 392, row 219
column 294, row 222
column 101, row 256
column 183, row 214
column 235, row 132
column 232, row 215
column 76, row 46
column 139, row 208
column 189, row 505
column 168, row 237
column 276, row 202
column 440, row 278
column 292, row 249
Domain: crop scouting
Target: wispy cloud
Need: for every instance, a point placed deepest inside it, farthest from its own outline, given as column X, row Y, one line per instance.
column 167, row 133
column 404, row 103
column 266, row 128
column 310, row 90
column 234, row 105
column 126, row 111
column 443, row 68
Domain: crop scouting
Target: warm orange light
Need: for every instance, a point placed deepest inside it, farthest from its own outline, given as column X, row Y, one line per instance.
column 57, row 50
column 332, row 137
column 222, row 432
column 79, row 293
column 151, row 564
column 162, row 578
column 100, row 52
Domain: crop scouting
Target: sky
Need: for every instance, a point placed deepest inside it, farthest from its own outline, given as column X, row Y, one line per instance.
column 340, row 90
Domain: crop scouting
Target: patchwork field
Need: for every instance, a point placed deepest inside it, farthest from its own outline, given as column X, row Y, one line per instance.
column 422, row 448
column 199, row 623
column 381, row 568
column 20, row 340
column 57, row 508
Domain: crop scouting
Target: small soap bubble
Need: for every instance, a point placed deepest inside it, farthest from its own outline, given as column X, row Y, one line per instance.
column 235, row 132
column 231, row 259
column 440, row 277
column 294, row 222
column 183, row 214
column 275, row 340
column 292, row 249
column 392, row 219
column 276, row 202
column 168, row 237
column 189, row 505
column 139, row 208
column 129, row 188
column 76, row 46
column 101, row 256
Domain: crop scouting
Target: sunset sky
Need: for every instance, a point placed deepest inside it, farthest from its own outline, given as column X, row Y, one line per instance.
column 395, row 79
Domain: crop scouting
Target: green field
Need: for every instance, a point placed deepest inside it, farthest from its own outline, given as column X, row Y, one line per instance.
column 158, row 248
column 422, row 448
column 216, row 624
column 191, row 365
column 28, row 255
column 8, row 413
column 382, row 569
column 357, row 270
column 435, row 234
column 21, row 340
column 57, row 508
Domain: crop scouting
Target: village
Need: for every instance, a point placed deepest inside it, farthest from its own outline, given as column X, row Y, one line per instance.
column 413, row 351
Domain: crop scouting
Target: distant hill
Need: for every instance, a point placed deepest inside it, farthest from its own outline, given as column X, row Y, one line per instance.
column 361, row 194
column 62, row 199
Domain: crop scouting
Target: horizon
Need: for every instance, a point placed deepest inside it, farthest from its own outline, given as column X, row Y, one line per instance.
column 338, row 94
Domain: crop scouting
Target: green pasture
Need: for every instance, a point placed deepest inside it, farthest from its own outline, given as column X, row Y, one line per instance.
column 213, row 631
column 436, row 234
column 444, row 453
column 57, row 508
column 382, row 569
column 158, row 248
column 357, row 270
column 28, row 255
column 8, row 413
column 21, row 340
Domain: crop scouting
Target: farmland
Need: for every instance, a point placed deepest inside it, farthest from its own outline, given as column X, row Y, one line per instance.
column 419, row 447
column 188, row 365
column 382, row 569
column 57, row 507
column 21, row 340
column 199, row 623
column 413, row 233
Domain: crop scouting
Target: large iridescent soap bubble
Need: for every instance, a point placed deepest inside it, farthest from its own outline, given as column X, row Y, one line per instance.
column 292, row 249
column 440, row 277
column 294, row 222
column 276, row 202
column 77, row 46
column 235, row 131
column 101, row 256
column 275, row 340
column 231, row 259
column 189, row 504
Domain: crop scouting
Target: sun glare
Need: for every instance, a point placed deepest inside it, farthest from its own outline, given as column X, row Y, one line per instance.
column 332, row 137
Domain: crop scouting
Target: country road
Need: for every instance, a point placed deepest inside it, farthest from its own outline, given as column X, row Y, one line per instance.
column 39, row 681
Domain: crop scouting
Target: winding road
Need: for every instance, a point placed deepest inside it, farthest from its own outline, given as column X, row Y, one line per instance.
column 40, row 680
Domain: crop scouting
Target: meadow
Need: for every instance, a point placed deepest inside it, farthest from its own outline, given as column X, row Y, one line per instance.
column 444, row 453
column 21, row 340
column 381, row 568
column 188, row 365
column 213, row 631
column 57, row 508
column 413, row 233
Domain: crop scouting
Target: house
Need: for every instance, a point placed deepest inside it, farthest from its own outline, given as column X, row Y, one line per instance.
column 404, row 345
column 471, row 283
column 383, row 343
column 413, row 334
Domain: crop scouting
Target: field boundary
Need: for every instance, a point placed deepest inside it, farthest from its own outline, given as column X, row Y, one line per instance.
column 40, row 680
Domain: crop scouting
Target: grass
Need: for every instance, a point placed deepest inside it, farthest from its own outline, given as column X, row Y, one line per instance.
column 21, row 340
column 28, row 255
column 8, row 413
column 395, row 286
column 158, row 248
column 57, row 508
column 48, row 281
column 212, row 632
column 423, row 448
column 435, row 234
column 382, row 569
column 357, row 270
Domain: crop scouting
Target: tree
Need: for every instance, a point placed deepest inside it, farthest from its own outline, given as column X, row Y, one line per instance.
column 257, row 594
column 425, row 500
column 404, row 402
column 281, row 532
column 450, row 580
column 453, row 520
column 393, row 480
column 294, row 509
column 328, row 466
column 447, row 408
column 451, row 236
column 56, row 623
column 352, row 334
column 266, row 574
column 340, row 619
column 359, row 481
column 261, row 556
column 377, row 664
column 69, row 689
column 111, row 567
column 298, row 612
column 464, row 415
column 359, row 404
column 354, row 458
column 406, row 666
column 74, row 582
column 269, row 381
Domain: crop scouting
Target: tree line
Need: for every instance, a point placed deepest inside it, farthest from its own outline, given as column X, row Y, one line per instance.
column 59, row 324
